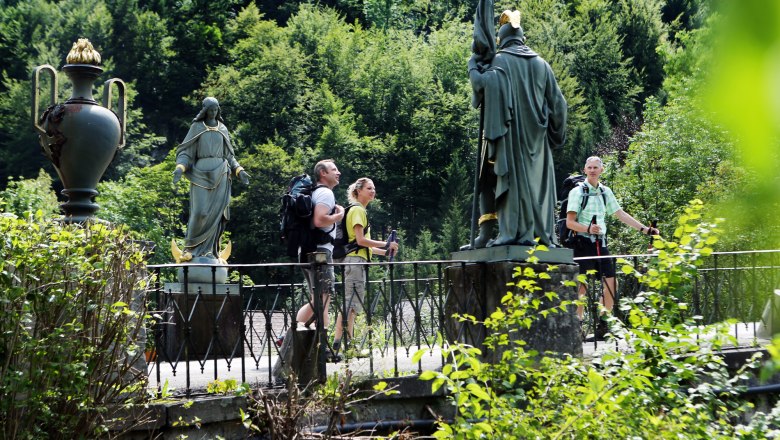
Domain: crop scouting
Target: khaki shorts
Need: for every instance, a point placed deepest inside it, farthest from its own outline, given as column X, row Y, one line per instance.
column 326, row 284
column 355, row 283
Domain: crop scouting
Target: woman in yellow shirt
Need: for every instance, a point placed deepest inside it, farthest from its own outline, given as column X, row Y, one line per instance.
column 359, row 194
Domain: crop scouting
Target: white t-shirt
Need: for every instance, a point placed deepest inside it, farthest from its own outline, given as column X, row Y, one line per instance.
column 323, row 195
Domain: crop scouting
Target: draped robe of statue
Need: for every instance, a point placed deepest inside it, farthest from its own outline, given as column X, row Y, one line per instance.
column 524, row 118
column 208, row 158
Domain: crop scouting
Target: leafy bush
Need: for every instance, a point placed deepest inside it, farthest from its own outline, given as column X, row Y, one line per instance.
column 283, row 414
column 29, row 195
column 665, row 384
column 71, row 319
column 131, row 200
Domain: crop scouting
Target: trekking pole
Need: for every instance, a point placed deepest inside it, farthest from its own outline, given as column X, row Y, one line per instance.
column 392, row 238
column 653, row 225
column 603, row 277
column 601, row 267
column 594, row 298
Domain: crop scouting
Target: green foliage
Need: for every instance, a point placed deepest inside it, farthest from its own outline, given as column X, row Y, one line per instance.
column 143, row 50
column 671, row 277
column 148, row 204
column 34, row 33
column 426, row 248
column 227, row 386
column 385, row 105
column 380, row 86
column 641, row 29
column 687, row 61
column 196, row 44
column 679, row 155
column 455, row 229
column 140, row 142
column 255, row 209
column 30, row 196
column 600, row 65
column 259, row 88
column 682, row 153
column 550, row 31
column 71, row 321
column 738, row 93
column 20, row 153
column 665, row 385
column 280, row 415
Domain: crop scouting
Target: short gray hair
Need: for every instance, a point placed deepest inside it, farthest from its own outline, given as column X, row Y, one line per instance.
column 321, row 165
column 592, row 158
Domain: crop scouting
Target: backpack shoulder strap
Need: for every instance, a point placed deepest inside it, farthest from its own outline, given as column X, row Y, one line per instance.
column 586, row 196
column 584, row 201
column 346, row 211
column 343, row 223
column 365, row 228
column 316, row 187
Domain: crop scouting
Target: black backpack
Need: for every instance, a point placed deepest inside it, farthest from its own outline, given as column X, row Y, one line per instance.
column 296, row 212
column 566, row 236
column 341, row 245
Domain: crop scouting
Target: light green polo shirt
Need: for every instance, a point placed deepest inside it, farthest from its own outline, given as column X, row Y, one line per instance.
column 595, row 204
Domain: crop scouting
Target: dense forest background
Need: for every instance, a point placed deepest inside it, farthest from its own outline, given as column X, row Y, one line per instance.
column 381, row 87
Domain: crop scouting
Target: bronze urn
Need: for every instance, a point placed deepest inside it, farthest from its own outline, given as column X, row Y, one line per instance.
column 80, row 137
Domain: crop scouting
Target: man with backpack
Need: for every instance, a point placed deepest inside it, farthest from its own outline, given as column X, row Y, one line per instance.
column 325, row 219
column 587, row 218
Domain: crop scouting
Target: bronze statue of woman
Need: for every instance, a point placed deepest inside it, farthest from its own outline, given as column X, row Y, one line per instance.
column 206, row 158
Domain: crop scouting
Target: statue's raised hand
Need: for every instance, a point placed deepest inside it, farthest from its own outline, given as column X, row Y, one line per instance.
column 244, row 176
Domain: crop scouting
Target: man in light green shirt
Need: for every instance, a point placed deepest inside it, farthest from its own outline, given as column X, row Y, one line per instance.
column 592, row 241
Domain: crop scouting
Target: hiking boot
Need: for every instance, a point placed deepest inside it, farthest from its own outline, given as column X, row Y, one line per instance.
column 356, row 353
column 333, row 357
column 602, row 328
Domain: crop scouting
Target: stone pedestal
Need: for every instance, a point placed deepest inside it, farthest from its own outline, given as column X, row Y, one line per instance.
column 515, row 253
column 216, row 272
column 476, row 288
column 206, row 322
column 298, row 354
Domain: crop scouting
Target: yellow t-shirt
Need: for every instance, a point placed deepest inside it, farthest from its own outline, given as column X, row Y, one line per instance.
column 357, row 216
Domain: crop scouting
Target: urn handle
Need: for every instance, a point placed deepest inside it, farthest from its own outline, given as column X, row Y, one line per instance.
column 35, row 86
column 121, row 111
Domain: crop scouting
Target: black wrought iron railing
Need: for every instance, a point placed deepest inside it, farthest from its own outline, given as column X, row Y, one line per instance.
column 211, row 331
column 727, row 285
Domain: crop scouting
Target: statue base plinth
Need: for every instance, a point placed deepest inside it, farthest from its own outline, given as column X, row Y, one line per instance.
column 216, row 272
column 206, row 321
column 515, row 253
column 477, row 288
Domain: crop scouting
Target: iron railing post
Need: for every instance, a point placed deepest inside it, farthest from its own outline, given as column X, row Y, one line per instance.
column 318, row 262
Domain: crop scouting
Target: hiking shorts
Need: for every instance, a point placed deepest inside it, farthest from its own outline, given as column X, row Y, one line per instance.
column 326, row 284
column 354, row 283
column 604, row 267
